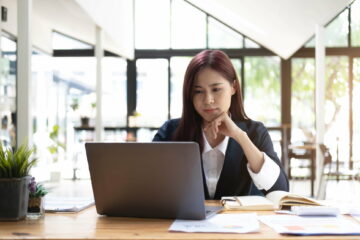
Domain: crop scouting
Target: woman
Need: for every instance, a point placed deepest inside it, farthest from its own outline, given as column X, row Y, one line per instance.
column 238, row 157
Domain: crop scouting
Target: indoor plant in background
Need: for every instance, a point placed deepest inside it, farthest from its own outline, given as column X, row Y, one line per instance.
column 14, row 181
column 36, row 198
column 55, row 150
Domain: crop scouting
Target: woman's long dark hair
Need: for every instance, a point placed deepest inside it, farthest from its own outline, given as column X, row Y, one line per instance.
column 189, row 128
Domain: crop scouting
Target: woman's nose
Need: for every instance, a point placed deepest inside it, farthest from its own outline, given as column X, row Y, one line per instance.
column 209, row 99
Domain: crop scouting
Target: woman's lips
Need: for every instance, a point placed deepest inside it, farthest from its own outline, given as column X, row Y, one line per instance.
column 210, row 110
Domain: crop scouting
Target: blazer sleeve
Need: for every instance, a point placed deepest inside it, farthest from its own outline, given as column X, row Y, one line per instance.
column 166, row 131
column 264, row 143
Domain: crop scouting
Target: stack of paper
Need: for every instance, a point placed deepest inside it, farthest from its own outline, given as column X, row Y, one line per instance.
column 226, row 223
column 296, row 225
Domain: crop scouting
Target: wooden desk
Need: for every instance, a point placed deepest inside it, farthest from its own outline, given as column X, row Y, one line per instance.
column 89, row 225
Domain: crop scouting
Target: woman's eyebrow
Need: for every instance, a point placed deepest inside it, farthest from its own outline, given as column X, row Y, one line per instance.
column 215, row 84
column 211, row 85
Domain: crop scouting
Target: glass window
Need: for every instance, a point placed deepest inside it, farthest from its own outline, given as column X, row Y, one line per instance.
column 114, row 92
column 311, row 42
column 152, row 24
column 8, row 92
column 49, row 111
column 60, row 41
column 262, row 89
column 74, row 82
column 237, row 65
column 303, row 100
column 356, row 110
column 337, row 106
column 178, row 67
column 152, row 92
column 188, row 26
column 337, row 31
column 251, row 44
column 355, row 24
column 220, row 36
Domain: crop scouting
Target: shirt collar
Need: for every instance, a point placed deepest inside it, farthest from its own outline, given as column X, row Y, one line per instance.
column 221, row 147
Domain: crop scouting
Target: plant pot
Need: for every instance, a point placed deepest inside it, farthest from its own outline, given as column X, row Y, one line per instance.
column 36, row 207
column 14, row 199
column 85, row 121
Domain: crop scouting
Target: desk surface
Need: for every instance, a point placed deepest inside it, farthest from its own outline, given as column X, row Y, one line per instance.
column 88, row 224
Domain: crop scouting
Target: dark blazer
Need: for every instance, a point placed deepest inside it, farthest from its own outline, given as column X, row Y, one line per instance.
column 234, row 178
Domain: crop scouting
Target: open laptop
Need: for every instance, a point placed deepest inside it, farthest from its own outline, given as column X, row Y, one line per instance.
column 156, row 180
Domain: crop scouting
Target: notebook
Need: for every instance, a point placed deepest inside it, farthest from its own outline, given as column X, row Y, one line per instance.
column 155, row 180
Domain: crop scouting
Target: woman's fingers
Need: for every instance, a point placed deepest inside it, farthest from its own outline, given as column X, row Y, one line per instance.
column 215, row 125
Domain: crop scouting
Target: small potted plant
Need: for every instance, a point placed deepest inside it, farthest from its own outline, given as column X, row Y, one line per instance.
column 36, row 198
column 14, row 181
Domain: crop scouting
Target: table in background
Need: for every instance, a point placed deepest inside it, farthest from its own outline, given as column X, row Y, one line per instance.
column 89, row 225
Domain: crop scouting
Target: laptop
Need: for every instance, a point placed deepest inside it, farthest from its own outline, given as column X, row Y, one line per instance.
column 152, row 180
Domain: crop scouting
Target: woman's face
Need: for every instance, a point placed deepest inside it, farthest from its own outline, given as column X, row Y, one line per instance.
column 212, row 94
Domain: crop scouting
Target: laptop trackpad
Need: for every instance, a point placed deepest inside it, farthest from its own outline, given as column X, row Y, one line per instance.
column 212, row 210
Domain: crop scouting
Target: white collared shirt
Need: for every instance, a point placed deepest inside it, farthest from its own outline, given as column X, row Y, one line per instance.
column 213, row 162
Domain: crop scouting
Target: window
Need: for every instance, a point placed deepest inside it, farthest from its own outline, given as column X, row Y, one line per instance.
column 60, row 41
column 152, row 24
column 220, row 36
column 152, row 92
column 356, row 110
column 8, row 92
column 303, row 100
column 188, row 26
column 337, row 106
column 237, row 65
column 114, row 92
column 262, row 89
column 178, row 67
column 337, row 31
column 251, row 44
column 355, row 24
column 75, row 81
column 49, row 109
column 310, row 43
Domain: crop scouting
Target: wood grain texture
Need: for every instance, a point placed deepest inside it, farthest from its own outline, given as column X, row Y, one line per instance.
column 88, row 224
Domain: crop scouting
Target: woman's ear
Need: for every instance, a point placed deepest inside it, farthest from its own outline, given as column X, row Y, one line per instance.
column 234, row 85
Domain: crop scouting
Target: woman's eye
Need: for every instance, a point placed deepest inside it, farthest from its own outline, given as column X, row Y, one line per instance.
column 216, row 89
column 197, row 91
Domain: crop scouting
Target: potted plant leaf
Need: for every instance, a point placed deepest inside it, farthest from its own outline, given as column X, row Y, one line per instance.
column 14, row 181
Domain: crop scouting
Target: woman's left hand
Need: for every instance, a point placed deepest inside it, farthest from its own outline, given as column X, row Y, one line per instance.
column 221, row 125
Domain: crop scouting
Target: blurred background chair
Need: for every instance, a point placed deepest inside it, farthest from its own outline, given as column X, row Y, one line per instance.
column 333, row 170
column 302, row 157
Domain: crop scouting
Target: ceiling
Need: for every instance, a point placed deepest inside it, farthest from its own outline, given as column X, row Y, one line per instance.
column 282, row 26
column 78, row 19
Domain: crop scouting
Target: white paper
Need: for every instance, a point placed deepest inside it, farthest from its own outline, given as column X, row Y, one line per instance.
column 356, row 216
column 296, row 225
column 225, row 223
column 67, row 204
